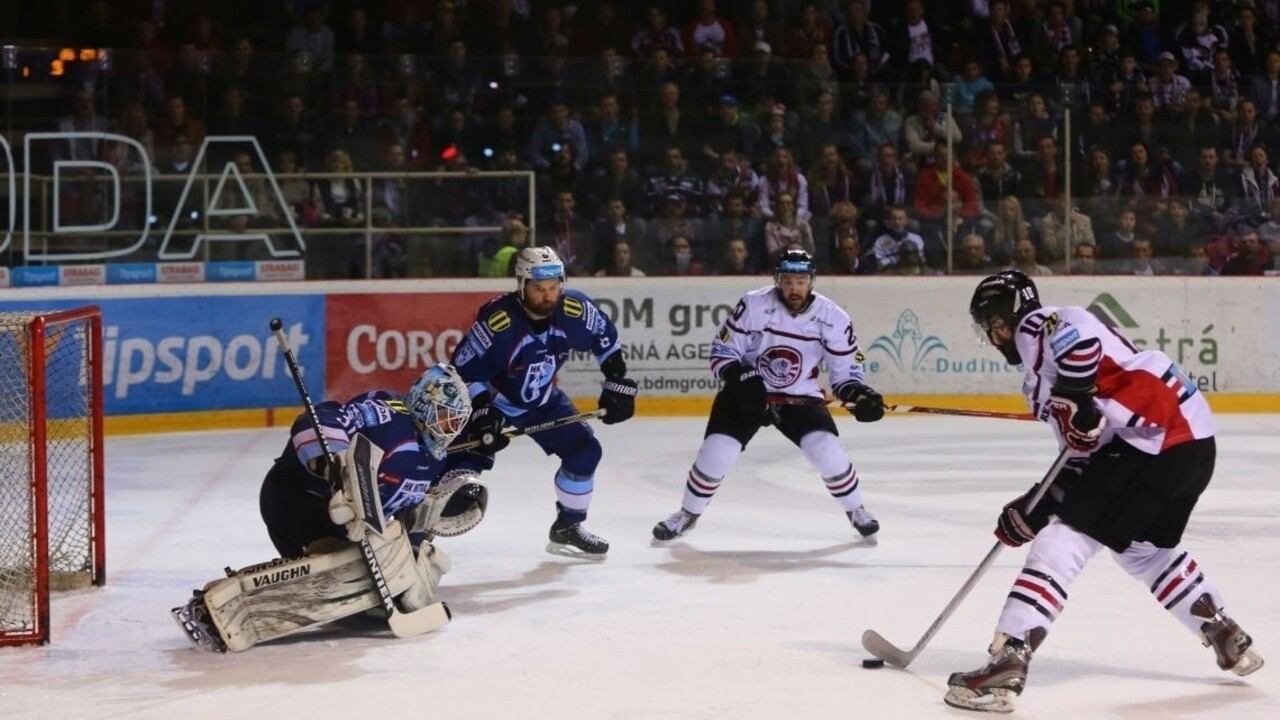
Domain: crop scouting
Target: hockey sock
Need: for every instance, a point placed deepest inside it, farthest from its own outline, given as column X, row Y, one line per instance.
column 1039, row 593
column 716, row 456
column 573, row 492
column 824, row 453
column 1173, row 577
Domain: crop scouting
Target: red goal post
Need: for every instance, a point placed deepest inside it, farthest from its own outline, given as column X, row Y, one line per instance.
column 52, row 520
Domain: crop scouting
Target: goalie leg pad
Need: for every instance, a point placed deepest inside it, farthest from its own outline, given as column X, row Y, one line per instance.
column 271, row 600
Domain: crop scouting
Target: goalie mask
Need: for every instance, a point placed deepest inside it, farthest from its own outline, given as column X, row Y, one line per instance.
column 1002, row 300
column 440, row 406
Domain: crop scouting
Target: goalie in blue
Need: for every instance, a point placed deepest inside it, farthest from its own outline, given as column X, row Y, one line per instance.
column 510, row 358
column 320, row 576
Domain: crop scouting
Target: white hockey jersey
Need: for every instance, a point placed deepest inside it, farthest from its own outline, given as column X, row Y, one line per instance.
column 787, row 349
column 1147, row 400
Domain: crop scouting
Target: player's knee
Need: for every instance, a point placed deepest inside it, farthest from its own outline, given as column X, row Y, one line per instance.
column 824, row 452
column 583, row 459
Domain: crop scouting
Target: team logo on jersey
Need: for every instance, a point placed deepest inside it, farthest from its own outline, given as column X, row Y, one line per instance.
column 1065, row 340
column 907, row 346
column 465, row 354
column 499, row 321
column 573, row 307
column 537, row 378
column 780, row 365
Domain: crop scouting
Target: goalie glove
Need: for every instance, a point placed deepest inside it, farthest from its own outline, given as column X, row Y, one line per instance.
column 1078, row 421
column 618, row 400
column 865, row 404
column 746, row 388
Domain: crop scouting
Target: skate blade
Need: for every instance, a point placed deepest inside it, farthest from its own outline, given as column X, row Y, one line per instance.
column 997, row 701
column 198, row 636
column 564, row 550
column 1250, row 662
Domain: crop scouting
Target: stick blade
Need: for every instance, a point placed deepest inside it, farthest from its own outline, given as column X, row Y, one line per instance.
column 874, row 643
column 424, row 620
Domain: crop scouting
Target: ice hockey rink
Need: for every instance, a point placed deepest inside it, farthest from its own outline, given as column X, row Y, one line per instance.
column 756, row 614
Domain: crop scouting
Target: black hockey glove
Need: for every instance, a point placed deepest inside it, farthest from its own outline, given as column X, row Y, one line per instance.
column 745, row 386
column 486, row 425
column 1015, row 526
column 866, row 404
column 618, row 400
column 1079, row 422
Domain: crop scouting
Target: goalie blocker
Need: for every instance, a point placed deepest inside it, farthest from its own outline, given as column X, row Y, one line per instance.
column 285, row 596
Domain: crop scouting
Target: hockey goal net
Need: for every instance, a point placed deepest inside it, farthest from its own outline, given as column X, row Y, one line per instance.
column 51, row 464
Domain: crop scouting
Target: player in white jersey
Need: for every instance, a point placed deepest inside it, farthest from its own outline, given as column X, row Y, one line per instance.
column 774, row 343
column 1141, row 437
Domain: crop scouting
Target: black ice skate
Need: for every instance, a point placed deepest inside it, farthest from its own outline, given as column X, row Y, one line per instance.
column 194, row 620
column 864, row 522
column 675, row 526
column 1229, row 641
column 572, row 540
column 993, row 687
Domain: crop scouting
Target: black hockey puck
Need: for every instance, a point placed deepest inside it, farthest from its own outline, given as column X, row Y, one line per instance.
column 873, row 663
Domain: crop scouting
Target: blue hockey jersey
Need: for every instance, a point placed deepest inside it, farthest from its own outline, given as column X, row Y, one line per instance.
column 406, row 471
column 516, row 359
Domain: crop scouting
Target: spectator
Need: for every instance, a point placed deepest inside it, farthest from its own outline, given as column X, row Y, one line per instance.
column 618, row 227
column 666, row 126
column 1244, row 134
column 561, row 176
column 1224, row 86
column 132, row 124
column 856, row 92
column 1144, row 33
column 1195, row 127
column 1259, row 187
column 1198, row 43
column 775, row 133
column 177, row 122
column 969, row 86
column 888, row 247
column 762, row 78
column 972, row 258
column 356, row 82
column 782, row 176
column 941, row 189
column 887, row 185
column 1168, row 88
column 986, row 126
column 236, row 118
column 1142, row 262
column 608, row 131
column 859, row 36
column 1045, row 180
column 1055, row 244
column 297, row 132
column 500, row 262
column 1249, row 43
column 1074, row 88
column 1175, row 232
column 830, row 182
column 732, row 174
column 620, row 263
column 927, row 128
column 730, row 132
column 1251, row 257
column 1195, row 262
column 550, row 35
column 1098, row 192
column 618, row 180
column 874, row 127
column 711, row 31
column 557, row 129
column 672, row 222
column 1097, row 131
column 736, row 222
column 706, row 82
column 675, row 179
column 341, row 202
column 405, row 126
column 313, row 38
column 357, row 36
column 815, row 77
column 735, row 259
column 1116, row 246
column 296, row 190
column 997, row 178
column 910, row 262
column 569, row 237
column 849, row 259
column 1011, row 226
column 679, row 259
column 655, row 35
column 1054, row 32
column 785, row 228
column 390, row 257
column 820, row 128
column 1084, row 260
column 1034, row 124
column 758, row 28
column 458, row 80
column 1210, row 190
column 351, row 133
column 812, row 30
column 998, row 43
column 596, row 32
column 1024, row 260
column 142, row 83
column 916, row 39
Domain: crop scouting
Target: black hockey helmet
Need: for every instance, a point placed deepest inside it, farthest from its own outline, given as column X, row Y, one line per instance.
column 794, row 261
column 1009, row 296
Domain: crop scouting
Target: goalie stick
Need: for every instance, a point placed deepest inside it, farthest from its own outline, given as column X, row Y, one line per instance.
column 540, row 427
column 431, row 617
column 875, row 643
column 780, row 399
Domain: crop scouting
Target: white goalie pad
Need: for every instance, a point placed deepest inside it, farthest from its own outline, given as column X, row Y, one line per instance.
column 271, row 600
column 455, row 505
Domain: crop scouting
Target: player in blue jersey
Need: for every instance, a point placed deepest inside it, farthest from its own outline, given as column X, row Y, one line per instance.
column 321, row 575
column 510, row 358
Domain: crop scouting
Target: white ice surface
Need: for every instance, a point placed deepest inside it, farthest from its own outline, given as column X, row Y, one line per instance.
column 757, row 614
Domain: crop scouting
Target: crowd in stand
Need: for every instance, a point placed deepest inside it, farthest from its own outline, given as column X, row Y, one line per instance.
column 705, row 137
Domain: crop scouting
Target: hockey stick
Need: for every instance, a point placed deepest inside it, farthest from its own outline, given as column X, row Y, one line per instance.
column 540, row 427
column 780, row 399
column 402, row 624
column 875, row 643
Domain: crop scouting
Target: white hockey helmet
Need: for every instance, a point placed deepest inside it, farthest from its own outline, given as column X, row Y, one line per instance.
column 440, row 407
column 537, row 263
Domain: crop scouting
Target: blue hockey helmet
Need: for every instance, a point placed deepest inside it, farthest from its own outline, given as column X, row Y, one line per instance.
column 440, row 407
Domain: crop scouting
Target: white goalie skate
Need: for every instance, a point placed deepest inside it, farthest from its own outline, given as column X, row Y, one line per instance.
column 194, row 620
